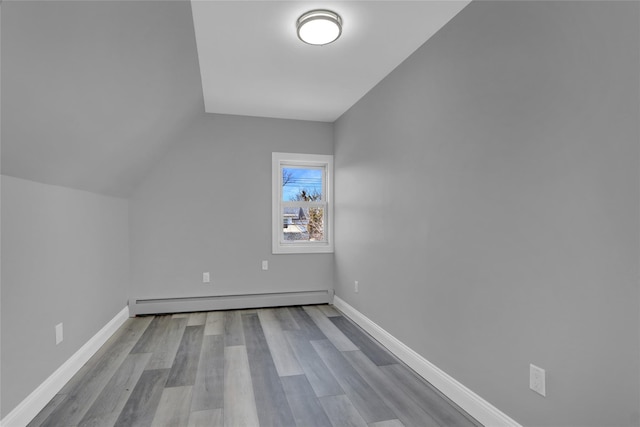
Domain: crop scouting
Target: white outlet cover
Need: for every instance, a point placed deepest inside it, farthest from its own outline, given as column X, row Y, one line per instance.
column 59, row 336
column 537, row 380
column 265, row 265
column 356, row 287
column 206, row 277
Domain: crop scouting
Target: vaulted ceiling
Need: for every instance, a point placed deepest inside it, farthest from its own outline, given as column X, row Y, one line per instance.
column 94, row 92
column 252, row 63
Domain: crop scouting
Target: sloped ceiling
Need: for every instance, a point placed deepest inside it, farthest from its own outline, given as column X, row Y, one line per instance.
column 93, row 92
column 253, row 64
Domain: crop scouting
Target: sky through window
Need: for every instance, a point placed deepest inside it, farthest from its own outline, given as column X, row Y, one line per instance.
column 308, row 179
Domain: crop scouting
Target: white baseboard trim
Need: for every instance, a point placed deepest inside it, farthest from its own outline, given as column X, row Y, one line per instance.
column 474, row 405
column 27, row 410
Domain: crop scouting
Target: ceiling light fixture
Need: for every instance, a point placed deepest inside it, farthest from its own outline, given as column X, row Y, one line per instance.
column 319, row 27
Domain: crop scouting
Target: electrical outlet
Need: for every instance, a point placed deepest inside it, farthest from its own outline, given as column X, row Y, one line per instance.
column 537, row 380
column 265, row 265
column 356, row 287
column 59, row 336
column 206, row 277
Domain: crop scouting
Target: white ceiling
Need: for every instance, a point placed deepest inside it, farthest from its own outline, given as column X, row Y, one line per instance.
column 94, row 92
column 252, row 63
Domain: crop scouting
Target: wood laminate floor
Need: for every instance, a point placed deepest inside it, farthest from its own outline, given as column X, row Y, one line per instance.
column 294, row 366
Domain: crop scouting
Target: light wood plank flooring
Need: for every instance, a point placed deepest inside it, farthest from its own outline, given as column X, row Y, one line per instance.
column 291, row 366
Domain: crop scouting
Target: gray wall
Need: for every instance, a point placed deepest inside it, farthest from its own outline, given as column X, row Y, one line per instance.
column 206, row 206
column 487, row 201
column 65, row 258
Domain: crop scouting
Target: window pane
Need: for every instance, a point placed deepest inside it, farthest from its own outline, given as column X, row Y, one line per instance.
column 302, row 184
column 303, row 224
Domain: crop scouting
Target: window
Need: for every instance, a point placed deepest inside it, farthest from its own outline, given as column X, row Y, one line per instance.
column 302, row 217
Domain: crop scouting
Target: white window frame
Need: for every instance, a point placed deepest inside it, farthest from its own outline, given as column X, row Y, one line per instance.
column 280, row 160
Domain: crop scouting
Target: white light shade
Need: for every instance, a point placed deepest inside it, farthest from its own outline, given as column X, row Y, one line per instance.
column 319, row 27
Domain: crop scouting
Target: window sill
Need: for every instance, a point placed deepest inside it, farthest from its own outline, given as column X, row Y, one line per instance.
column 302, row 249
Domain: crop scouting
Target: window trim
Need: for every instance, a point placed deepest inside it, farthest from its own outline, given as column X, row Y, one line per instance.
column 278, row 160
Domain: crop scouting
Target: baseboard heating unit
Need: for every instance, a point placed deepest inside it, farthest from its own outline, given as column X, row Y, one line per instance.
column 138, row 306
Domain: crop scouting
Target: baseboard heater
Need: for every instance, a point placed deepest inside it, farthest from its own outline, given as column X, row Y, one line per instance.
column 138, row 306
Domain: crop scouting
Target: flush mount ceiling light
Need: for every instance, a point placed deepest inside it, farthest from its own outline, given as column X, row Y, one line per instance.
column 319, row 27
